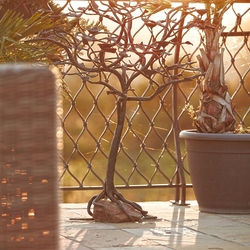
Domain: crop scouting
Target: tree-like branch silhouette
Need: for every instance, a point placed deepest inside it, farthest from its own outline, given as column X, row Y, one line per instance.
column 114, row 52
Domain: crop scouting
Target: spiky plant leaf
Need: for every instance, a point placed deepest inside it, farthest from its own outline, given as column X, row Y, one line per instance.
column 154, row 6
column 16, row 36
column 215, row 113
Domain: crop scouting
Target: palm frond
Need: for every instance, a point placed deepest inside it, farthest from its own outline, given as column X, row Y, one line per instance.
column 15, row 34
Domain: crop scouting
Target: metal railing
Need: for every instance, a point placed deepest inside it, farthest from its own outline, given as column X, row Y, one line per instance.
column 151, row 157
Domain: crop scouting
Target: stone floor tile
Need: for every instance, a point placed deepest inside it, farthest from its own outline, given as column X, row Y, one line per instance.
column 201, row 242
column 76, row 225
column 144, row 224
column 243, row 218
column 138, row 248
column 111, row 238
column 176, row 228
column 68, row 244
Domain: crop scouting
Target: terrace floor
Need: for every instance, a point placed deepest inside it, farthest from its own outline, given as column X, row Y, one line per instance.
column 177, row 227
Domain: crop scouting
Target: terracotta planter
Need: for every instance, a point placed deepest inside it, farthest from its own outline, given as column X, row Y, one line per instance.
column 219, row 166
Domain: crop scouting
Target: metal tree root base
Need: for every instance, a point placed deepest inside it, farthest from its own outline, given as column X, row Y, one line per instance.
column 112, row 207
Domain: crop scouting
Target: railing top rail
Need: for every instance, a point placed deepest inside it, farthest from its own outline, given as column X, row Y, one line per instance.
column 174, row 1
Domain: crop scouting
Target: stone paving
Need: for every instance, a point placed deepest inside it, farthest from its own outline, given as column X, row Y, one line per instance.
column 176, row 227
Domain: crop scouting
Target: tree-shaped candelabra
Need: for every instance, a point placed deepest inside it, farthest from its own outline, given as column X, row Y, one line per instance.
column 114, row 52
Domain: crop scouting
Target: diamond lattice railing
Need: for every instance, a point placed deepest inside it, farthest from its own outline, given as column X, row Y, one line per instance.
column 148, row 156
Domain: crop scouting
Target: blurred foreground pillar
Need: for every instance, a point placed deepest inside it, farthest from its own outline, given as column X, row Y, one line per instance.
column 28, row 158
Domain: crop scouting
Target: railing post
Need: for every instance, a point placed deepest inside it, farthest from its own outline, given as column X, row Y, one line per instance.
column 180, row 198
column 28, row 158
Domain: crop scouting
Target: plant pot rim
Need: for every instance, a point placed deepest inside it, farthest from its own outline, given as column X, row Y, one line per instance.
column 193, row 135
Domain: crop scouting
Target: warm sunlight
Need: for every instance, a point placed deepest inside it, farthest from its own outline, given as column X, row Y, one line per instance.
column 230, row 21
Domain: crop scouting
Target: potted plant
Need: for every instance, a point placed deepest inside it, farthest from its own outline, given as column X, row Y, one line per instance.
column 218, row 153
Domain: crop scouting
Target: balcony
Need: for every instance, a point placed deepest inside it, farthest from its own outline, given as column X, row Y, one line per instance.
column 151, row 161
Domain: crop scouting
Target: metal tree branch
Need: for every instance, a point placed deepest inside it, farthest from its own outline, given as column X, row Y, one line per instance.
column 102, row 54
